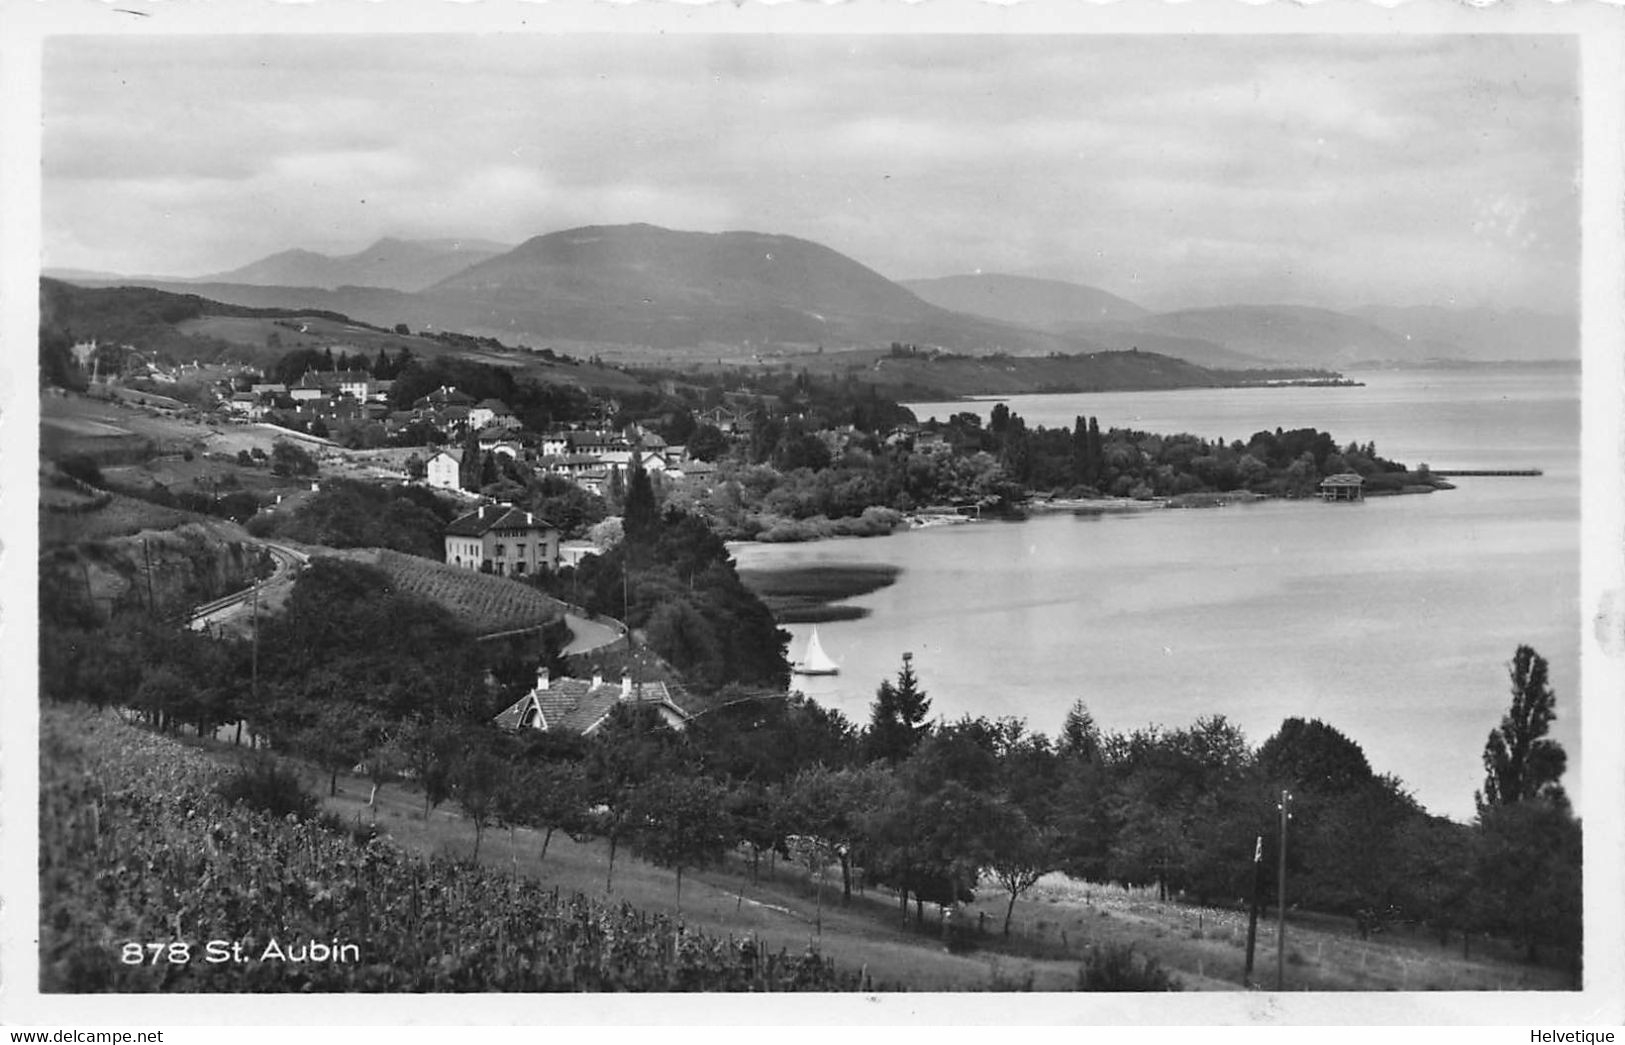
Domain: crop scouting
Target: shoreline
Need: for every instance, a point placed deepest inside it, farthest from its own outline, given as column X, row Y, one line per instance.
column 1094, row 506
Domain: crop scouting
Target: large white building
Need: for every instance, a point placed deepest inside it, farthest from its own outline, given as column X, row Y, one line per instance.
column 502, row 539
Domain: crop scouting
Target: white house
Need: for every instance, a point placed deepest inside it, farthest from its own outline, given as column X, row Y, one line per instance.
column 444, row 470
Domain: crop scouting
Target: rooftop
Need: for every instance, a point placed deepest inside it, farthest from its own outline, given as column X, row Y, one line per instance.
column 488, row 517
column 580, row 705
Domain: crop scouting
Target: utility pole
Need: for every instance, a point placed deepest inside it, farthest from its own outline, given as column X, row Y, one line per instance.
column 146, row 559
column 1252, row 914
column 1280, row 900
column 254, row 665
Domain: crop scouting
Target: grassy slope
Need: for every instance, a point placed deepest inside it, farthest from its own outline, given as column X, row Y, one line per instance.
column 1053, row 927
column 1204, row 948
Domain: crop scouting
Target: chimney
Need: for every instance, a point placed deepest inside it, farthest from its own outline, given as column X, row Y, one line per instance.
column 482, row 513
column 597, row 677
column 626, row 684
column 542, row 678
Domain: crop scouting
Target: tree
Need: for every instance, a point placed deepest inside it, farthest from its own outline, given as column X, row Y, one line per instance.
column 416, row 467
column 290, row 460
column 468, row 469
column 1021, row 854
column 631, row 748
column 1528, row 874
column 478, row 782
column 707, row 443
column 929, row 837
column 682, row 822
column 1080, row 736
column 1520, row 763
column 823, row 807
column 551, row 796
column 385, row 763
column 897, row 717
column 431, row 750
column 640, row 519
column 1313, row 756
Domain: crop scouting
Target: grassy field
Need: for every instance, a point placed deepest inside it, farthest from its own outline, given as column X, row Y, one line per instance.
column 121, row 516
column 254, row 332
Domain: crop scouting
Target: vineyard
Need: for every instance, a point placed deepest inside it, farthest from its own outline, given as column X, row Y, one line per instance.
column 149, row 881
column 484, row 603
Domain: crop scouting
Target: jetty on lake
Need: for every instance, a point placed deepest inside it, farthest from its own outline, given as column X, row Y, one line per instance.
column 1449, row 473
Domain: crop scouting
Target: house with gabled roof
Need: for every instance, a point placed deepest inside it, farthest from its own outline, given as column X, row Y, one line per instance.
column 507, row 441
column 491, row 412
column 444, row 470
column 502, row 539
column 582, row 705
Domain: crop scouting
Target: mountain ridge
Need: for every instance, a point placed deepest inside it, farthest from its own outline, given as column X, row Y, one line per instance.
column 1048, row 304
column 642, row 289
column 389, row 263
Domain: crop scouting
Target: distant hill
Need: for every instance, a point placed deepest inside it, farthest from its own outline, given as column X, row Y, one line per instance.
column 1284, row 334
column 145, row 317
column 1482, row 334
column 1075, row 311
column 1043, row 303
column 180, row 325
column 930, row 376
column 644, row 285
column 391, row 264
column 1124, row 337
column 649, row 292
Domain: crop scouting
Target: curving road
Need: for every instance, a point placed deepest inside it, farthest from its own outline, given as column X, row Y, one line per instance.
column 588, row 635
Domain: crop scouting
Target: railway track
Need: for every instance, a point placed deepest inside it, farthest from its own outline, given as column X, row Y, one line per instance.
column 289, row 561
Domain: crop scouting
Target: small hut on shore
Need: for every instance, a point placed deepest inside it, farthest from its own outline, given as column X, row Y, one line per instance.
column 1344, row 486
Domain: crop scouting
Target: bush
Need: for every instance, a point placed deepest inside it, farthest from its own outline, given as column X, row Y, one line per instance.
column 1116, row 968
column 264, row 785
column 290, row 460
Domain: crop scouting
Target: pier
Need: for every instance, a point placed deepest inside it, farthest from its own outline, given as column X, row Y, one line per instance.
column 1448, row 473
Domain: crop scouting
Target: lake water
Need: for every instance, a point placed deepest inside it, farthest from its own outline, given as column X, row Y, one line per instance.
column 1391, row 620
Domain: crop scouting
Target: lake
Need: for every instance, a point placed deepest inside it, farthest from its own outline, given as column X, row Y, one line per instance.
column 1392, row 620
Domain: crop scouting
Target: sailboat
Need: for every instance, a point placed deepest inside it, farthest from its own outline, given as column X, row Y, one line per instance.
column 816, row 662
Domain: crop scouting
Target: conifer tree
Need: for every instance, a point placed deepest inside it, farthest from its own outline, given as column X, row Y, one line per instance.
column 641, row 516
column 468, row 469
column 897, row 717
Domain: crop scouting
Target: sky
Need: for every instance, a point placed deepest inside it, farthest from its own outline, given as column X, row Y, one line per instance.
column 1175, row 171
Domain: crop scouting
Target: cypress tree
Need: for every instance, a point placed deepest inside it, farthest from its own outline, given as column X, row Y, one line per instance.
column 468, row 469
column 1520, row 763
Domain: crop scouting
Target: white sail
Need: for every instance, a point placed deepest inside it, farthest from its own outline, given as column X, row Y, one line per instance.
column 817, row 662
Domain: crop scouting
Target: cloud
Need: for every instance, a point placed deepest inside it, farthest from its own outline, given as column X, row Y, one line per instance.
column 1180, row 167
